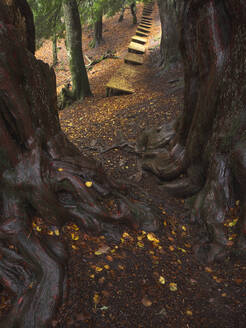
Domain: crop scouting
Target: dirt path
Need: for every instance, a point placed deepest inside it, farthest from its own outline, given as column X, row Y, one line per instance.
column 140, row 280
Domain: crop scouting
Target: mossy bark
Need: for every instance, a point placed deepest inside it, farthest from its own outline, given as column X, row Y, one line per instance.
column 80, row 82
column 98, row 29
column 207, row 142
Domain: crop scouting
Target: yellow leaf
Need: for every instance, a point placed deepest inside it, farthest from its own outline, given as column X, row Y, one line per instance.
column 121, row 267
column 98, row 269
column 171, row 248
column 233, row 223
column 182, row 250
column 74, row 237
column 51, row 233
column 139, row 237
column 38, row 228
column 57, row 233
column 125, row 235
column 173, row 287
column 106, row 266
column 60, row 169
column 173, row 233
column 189, row 312
column 74, row 247
column 75, row 227
column 92, row 276
column 98, row 253
column 184, row 228
column 140, row 244
column 143, row 232
column 162, row 280
column 237, row 203
column 165, row 223
column 152, row 237
column 88, row 184
column 96, row 298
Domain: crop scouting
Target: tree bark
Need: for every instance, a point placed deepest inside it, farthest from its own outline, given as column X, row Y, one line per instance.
column 80, row 82
column 98, row 28
column 133, row 12
column 43, row 175
column 207, row 143
column 54, row 50
column 170, row 13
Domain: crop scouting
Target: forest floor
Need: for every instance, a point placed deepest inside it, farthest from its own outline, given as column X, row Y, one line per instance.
column 140, row 280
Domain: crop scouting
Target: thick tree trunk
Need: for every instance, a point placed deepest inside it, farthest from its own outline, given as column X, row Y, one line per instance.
column 207, row 143
column 169, row 16
column 98, row 28
column 80, row 83
column 43, row 175
column 122, row 14
column 134, row 12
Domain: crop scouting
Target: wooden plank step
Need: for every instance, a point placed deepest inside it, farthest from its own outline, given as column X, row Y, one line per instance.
column 142, row 29
column 139, row 33
column 134, row 59
column 147, row 18
column 143, row 21
column 120, row 82
column 136, row 48
column 144, row 26
column 146, row 13
column 139, row 39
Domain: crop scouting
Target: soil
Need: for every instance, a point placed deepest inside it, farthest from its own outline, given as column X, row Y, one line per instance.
column 139, row 280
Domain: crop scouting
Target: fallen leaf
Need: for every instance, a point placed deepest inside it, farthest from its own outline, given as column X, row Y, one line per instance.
column 171, row 248
column 102, row 250
column 88, row 184
column 96, row 299
column 140, row 244
column 162, row 280
column 98, row 269
column 74, row 236
column 146, row 302
column 60, row 169
column 173, row 287
column 151, row 237
column 189, row 312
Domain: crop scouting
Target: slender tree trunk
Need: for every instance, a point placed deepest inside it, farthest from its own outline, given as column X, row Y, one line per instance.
column 207, row 143
column 80, row 82
column 122, row 14
column 43, row 175
column 54, row 50
column 133, row 12
column 98, row 28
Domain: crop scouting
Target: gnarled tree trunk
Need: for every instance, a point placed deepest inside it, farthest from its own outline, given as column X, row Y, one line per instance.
column 207, row 144
column 43, row 175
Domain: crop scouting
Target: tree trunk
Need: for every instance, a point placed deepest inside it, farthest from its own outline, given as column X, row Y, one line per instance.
column 98, row 27
column 80, row 83
column 122, row 14
column 43, row 175
column 207, row 144
column 169, row 47
column 133, row 12
column 54, row 50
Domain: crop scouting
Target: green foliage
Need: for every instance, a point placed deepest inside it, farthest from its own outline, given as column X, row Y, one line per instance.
column 48, row 19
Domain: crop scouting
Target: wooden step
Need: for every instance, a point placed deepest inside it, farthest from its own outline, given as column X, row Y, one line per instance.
column 145, row 22
column 147, row 18
column 142, row 29
column 145, row 13
column 120, row 82
column 139, row 33
column 136, row 48
column 134, row 59
column 144, row 26
column 139, row 39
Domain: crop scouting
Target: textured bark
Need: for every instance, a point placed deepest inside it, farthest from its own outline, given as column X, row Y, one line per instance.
column 207, row 143
column 170, row 11
column 133, row 12
column 98, row 28
column 54, row 50
column 43, row 175
column 80, row 83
